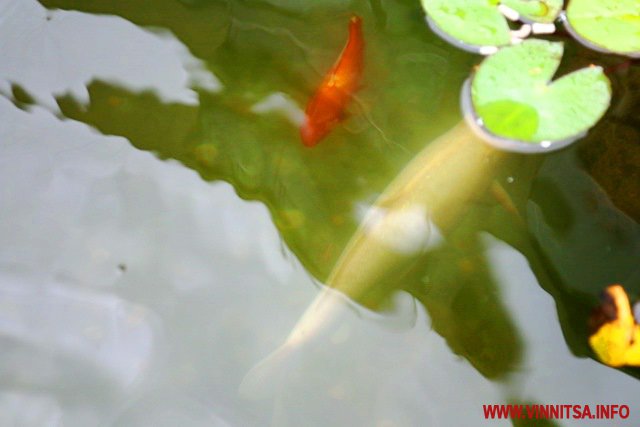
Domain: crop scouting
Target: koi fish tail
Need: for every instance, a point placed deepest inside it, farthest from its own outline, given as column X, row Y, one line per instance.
column 263, row 380
column 312, row 336
column 321, row 317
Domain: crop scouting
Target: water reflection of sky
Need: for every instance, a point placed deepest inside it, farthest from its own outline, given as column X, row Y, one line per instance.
column 134, row 293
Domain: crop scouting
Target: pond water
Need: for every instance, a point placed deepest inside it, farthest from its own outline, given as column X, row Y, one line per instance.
column 163, row 228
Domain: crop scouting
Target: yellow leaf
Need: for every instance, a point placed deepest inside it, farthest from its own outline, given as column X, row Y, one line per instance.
column 615, row 337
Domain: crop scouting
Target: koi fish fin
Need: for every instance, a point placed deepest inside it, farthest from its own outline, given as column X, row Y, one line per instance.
column 263, row 380
column 399, row 315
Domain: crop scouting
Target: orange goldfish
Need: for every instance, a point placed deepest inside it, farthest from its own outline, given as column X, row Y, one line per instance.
column 326, row 108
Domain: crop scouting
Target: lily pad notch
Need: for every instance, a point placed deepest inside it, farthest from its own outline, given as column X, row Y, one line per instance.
column 512, row 100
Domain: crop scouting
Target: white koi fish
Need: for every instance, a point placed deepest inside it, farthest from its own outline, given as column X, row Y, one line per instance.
column 436, row 187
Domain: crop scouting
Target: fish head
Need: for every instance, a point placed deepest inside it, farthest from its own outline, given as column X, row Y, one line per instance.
column 312, row 132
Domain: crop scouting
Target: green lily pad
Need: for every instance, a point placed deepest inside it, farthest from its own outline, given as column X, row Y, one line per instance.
column 478, row 23
column 512, row 94
column 612, row 25
column 543, row 11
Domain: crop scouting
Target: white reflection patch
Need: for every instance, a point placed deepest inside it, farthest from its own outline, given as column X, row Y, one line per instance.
column 541, row 28
column 509, row 13
column 50, row 53
column 406, row 230
column 280, row 103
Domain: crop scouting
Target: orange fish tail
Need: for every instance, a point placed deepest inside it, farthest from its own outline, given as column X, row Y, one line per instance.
column 349, row 66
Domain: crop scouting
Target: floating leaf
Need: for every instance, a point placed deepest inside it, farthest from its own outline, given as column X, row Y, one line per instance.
column 611, row 25
column 473, row 24
column 512, row 94
column 615, row 337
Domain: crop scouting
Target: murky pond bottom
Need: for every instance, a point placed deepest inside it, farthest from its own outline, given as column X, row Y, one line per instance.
column 163, row 229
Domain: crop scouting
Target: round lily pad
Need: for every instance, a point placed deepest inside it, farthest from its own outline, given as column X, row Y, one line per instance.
column 474, row 24
column 609, row 25
column 512, row 96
